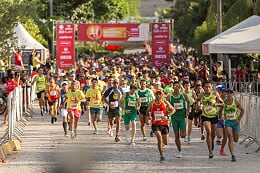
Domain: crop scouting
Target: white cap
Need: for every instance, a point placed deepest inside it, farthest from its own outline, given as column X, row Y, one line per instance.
column 158, row 83
column 62, row 74
column 64, row 82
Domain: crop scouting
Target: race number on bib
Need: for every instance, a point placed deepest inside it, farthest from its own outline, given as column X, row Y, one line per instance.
column 178, row 105
column 231, row 116
column 143, row 99
column 73, row 105
column 96, row 102
column 115, row 103
column 53, row 93
column 131, row 103
column 158, row 115
column 209, row 109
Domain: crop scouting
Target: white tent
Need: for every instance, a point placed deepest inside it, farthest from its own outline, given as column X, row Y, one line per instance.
column 25, row 40
column 241, row 38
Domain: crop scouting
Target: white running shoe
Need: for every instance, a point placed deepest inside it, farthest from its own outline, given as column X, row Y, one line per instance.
column 179, row 155
column 72, row 135
column 95, row 132
column 108, row 131
column 186, row 139
column 111, row 133
column 189, row 139
column 132, row 143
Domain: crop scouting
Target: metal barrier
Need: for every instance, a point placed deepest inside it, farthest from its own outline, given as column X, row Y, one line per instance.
column 250, row 122
column 19, row 107
column 252, row 87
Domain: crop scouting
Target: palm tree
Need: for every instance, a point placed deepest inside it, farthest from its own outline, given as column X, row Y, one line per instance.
column 234, row 11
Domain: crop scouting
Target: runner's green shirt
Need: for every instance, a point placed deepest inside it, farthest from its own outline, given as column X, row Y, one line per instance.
column 145, row 96
column 130, row 103
column 230, row 111
column 179, row 103
column 40, row 83
column 208, row 110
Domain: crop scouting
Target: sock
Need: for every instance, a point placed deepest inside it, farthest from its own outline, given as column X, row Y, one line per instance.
column 64, row 124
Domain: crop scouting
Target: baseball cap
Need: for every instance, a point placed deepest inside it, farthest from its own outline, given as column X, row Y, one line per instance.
column 221, row 88
column 158, row 83
column 64, row 83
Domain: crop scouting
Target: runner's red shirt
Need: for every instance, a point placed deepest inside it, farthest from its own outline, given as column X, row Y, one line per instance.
column 159, row 110
column 10, row 85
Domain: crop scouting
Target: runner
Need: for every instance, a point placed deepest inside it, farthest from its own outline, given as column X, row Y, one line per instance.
column 192, row 97
column 114, row 95
column 94, row 100
column 210, row 101
column 146, row 95
column 220, row 132
column 63, row 110
column 53, row 96
column 198, row 108
column 157, row 111
column 74, row 97
column 232, row 120
column 180, row 102
column 130, row 104
column 40, row 88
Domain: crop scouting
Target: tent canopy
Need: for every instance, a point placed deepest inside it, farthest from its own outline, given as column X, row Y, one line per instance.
column 24, row 39
column 241, row 38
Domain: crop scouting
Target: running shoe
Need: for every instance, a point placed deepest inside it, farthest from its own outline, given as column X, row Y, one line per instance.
column 179, row 155
column 211, row 155
column 218, row 142
column 55, row 119
column 189, row 139
column 144, row 138
column 111, row 133
column 132, row 143
column 186, row 139
column 72, row 135
column 52, row 120
column 233, row 158
column 117, row 139
column 222, row 153
column 89, row 123
column 66, row 135
column 151, row 134
column 95, row 132
column 162, row 159
column 108, row 131
column 41, row 112
column 202, row 137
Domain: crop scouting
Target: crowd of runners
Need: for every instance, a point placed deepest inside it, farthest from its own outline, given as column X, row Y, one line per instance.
column 127, row 89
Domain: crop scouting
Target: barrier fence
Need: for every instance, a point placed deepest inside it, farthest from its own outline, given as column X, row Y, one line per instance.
column 19, row 108
column 250, row 123
column 252, row 87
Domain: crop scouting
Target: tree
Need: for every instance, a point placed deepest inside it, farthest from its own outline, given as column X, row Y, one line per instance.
column 11, row 13
column 107, row 10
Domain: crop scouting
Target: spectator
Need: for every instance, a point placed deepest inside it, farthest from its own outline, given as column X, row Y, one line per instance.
column 18, row 60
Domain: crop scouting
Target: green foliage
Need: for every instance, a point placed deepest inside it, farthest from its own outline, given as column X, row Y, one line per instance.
column 106, row 10
column 203, row 33
column 34, row 31
column 11, row 13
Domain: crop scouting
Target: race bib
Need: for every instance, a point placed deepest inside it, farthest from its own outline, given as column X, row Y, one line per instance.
column 40, row 87
column 143, row 99
column 158, row 115
column 74, row 105
column 178, row 105
column 53, row 93
column 209, row 109
column 231, row 116
column 96, row 102
column 115, row 103
column 131, row 103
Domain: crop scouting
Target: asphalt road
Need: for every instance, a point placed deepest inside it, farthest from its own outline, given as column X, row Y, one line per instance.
column 46, row 150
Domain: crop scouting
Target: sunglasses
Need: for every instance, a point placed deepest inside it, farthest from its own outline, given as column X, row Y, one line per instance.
column 176, row 86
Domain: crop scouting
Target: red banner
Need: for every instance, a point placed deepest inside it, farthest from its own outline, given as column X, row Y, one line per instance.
column 113, row 32
column 160, row 44
column 65, row 46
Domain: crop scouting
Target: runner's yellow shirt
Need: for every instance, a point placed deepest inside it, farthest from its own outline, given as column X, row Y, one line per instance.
column 72, row 96
column 95, row 96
